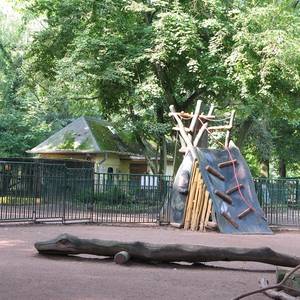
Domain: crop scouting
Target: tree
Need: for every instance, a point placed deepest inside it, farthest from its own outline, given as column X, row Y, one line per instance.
column 131, row 60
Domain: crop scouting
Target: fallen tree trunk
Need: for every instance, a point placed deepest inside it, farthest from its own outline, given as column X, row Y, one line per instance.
column 66, row 244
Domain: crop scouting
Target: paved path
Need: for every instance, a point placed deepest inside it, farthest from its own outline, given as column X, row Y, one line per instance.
column 26, row 275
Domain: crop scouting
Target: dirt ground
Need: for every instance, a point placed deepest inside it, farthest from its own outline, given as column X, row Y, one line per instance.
column 26, row 275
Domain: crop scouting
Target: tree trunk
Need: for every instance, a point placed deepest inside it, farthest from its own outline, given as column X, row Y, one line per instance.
column 265, row 168
column 243, row 132
column 66, row 244
column 282, row 168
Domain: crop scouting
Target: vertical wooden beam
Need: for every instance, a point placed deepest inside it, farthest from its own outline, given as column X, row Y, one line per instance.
column 203, row 128
column 183, row 133
column 195, row 116
column 227, row 138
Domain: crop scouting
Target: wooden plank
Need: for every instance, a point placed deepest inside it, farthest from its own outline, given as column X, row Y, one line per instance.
column 227, row 137
column 197, row 204
column 195, row 116
column 201, row 207
column 204, row 210
column 219, row 127
column 208, row 212
column 189, row 200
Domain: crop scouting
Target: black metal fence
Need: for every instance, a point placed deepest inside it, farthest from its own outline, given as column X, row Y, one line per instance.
column 41, row 191
column 280, row 200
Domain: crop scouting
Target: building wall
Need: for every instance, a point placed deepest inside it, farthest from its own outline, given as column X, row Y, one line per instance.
column 103, row 162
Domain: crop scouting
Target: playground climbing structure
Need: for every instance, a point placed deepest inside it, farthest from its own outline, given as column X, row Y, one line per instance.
column 213, row 183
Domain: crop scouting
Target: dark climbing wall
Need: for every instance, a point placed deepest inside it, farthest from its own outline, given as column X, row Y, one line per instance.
column 251, row 219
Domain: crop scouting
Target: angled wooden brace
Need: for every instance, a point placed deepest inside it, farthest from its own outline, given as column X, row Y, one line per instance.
column 183, row 133
column 203, row 128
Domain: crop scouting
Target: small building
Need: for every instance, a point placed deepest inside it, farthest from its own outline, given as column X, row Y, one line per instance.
column 93, row 139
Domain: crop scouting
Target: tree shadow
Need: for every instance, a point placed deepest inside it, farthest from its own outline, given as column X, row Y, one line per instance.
column 152, row 264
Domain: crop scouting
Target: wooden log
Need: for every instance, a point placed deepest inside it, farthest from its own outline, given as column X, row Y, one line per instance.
column 193, row 199
column 203, row 128
column 204, row 210
column 197, row 206
column 221, row 127
column 190, row 198
column 230, row 220
column 208, row 213
column 227, row 137
column 121, row 257
column 224, row 197
column 245, row 212
column 66, row 244
column 200, row 206
column 235, row 188
column 183, row 134
column 214, row 172
column 227, row 163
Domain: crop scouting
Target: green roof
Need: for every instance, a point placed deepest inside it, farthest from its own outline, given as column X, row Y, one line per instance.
column 85, row 135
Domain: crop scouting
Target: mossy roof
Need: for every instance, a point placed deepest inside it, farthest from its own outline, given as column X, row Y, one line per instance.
column 86, row 135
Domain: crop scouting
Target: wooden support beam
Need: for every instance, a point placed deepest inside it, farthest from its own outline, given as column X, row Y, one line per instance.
column 245, row 212
column 178, row 129
column 233, row 189
column 219, row 127
column 224, row 197
column 183, row 134
column 214, row 172
column 195, row 116
column 231, row 221
column 203, row 128
column 227, row 163
column 227, row 138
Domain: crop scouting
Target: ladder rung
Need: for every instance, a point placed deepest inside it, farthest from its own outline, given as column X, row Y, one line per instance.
column 232, row 222
column 214, row 172
column 235, row 188
column 245, row 212
column 224, row 197
column 227, row 163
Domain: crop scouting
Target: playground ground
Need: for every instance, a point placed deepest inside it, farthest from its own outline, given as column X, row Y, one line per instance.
column 27, row 275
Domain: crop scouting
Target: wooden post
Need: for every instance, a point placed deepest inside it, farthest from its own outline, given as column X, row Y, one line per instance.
column 227, row 138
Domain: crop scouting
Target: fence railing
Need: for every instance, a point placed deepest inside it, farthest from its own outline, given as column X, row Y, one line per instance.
column 280, row 200
column 51, row 192
column 31, row 191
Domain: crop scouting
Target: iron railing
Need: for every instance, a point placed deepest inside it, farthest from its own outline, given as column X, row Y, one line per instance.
column 39, row 191
column 280, row 200
column 52, row 192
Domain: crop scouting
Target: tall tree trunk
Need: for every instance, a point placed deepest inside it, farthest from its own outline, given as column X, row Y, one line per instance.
column 265, row 168
column 243, row 132
column 282, row 168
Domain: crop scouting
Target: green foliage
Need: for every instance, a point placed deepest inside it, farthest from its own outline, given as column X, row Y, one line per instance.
column 129, row 60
